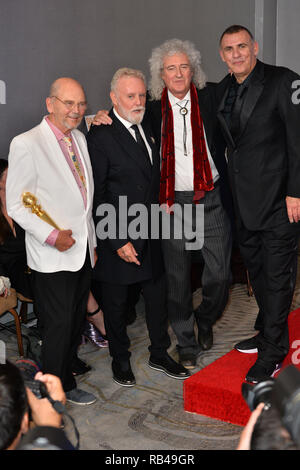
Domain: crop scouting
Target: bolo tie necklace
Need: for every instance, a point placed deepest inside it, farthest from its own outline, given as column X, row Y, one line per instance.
column 184, row 111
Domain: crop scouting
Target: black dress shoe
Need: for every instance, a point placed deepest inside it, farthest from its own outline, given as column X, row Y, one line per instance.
column 167, row 365
column 205, row 336
column 262, row 370
column 79, row 367
column 122, row 374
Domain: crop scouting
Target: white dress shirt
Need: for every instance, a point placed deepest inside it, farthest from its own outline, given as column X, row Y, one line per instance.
column 128, row 125
column 184, row 164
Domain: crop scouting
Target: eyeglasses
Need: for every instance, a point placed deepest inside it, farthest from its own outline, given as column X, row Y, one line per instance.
column 71, row 104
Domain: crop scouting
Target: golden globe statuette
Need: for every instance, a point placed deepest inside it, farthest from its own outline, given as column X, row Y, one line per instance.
column 30, row 202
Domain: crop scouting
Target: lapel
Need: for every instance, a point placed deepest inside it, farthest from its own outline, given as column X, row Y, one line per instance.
column 128, row 143
column 152, row 143
column 254, row 91
column 155, row 174
column 206, row 116
column 220, row 115
column 56, row 155
column 85, row 160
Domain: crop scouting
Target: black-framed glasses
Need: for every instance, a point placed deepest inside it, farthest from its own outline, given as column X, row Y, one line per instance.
column 71, row 104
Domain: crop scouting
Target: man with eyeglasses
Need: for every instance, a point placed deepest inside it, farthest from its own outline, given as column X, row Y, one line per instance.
column 51, row 161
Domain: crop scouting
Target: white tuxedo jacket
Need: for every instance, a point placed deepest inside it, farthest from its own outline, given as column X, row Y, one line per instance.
column 37, row 164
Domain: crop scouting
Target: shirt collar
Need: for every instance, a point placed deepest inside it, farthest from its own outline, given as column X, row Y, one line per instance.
column 247, row 80
column 173, row 100
column 57, row 132
column 126, row 123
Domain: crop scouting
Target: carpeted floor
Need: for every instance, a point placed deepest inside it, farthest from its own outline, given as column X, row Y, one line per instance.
column 150, row 416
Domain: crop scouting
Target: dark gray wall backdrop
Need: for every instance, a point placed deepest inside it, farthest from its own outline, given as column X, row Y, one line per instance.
column 288, row 50
column 89, row 39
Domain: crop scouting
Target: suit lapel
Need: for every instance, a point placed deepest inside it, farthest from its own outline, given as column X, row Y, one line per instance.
column 86, row 165
column 152, row 144
column 206, row 117
column 57, row 157
column 221, row 118
column 127, row 141
column 254, row 91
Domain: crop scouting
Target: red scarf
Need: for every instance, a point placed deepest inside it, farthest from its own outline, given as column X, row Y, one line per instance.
column 202, row 172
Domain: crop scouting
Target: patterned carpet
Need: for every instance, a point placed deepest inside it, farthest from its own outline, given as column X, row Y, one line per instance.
column 150, row 415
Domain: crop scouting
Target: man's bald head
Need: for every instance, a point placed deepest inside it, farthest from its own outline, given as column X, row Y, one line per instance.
column 66, row 103
column 63, row 82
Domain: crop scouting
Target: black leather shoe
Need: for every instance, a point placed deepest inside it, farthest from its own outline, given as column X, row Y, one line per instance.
column 248, row 346
column 167, row 365
column 122, row 374
column 262, row 370
column 205, row 336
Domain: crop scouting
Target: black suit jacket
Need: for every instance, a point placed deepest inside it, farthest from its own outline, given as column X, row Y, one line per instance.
column 120, row 169
column 207, row 99
column 264, row 159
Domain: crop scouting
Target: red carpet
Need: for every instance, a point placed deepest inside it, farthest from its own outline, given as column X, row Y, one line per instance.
column 215, row 391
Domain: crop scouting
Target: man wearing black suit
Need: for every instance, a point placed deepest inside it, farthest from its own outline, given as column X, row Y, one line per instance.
column 125, row 164
column 260, row 120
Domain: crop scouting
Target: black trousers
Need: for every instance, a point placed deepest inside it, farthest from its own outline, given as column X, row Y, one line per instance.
column 114, row 302
column 271, row 259
column 61, row 300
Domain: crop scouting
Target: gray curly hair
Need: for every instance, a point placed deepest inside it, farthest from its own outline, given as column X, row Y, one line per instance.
column 169, row 48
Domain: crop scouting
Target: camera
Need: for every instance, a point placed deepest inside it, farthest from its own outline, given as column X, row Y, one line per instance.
column 28, row 369
column 259, row 393
column 282, row 393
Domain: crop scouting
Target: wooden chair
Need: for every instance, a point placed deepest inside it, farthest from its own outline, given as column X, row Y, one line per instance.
column 8, row 305
column 249, row 287
column 24, row 306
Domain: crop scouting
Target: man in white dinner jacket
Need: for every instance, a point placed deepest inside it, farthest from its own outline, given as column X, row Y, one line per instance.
column 51, row 161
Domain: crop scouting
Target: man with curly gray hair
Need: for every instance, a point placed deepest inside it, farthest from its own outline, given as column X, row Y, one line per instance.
column 193, row 171
column 170, row 48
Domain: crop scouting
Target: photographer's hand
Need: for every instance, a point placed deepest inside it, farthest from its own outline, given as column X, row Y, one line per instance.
column 245, row 438
column 53, row 385
column 42, row 411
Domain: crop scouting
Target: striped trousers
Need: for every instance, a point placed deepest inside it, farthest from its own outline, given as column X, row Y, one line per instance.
column 216, row 276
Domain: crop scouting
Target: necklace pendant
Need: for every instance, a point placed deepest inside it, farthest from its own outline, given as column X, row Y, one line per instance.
column 183, row 111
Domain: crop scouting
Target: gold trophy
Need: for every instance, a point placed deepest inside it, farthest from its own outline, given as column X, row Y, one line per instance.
column 30, row 202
